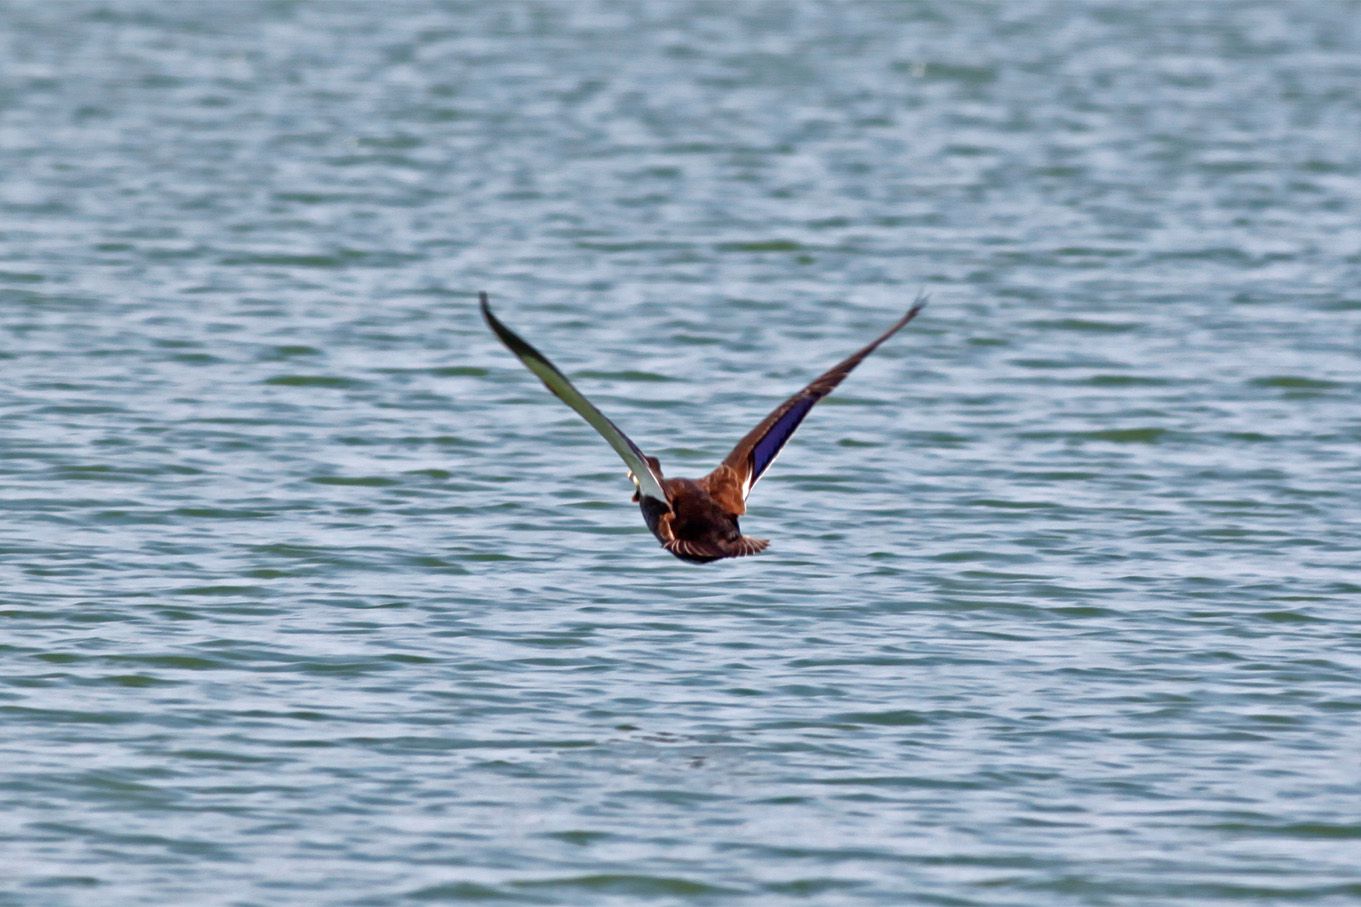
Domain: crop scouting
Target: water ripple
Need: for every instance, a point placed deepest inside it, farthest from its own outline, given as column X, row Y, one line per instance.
column 311, row 593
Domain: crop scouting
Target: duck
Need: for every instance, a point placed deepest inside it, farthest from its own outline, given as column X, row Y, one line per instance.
column 697, row 519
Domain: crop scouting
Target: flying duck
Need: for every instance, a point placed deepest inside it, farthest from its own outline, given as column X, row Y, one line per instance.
column 696, row 519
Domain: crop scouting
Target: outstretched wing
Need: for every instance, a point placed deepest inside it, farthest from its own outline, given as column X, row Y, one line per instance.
column 648, row 482
column 754, row 453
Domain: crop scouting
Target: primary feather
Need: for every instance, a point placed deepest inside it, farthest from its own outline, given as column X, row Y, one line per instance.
column 759, row 447
column 648, row 482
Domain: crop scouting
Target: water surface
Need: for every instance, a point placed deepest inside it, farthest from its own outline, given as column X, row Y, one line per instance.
column 309, row 593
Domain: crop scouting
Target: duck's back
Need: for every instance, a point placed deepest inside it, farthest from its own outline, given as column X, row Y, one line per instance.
column 702, row 529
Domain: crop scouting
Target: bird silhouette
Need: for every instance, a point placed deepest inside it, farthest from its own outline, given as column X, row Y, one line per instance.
column 696, row 519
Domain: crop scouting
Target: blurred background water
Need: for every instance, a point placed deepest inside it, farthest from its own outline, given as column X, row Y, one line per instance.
column 309, row 593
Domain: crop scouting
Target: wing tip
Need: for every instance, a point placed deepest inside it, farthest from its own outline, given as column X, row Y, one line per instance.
column 918, row 304
column 514, row 342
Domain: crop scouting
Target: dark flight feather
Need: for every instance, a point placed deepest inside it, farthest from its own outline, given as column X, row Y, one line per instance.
column 758, row 449
column 649, row 482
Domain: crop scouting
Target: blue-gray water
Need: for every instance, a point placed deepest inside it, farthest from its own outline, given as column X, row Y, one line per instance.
column 311, row 594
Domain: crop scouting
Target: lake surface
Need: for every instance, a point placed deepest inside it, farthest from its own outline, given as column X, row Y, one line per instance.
column 311, row 594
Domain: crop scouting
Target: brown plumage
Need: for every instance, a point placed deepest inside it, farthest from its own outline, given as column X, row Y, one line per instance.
column 696, row 519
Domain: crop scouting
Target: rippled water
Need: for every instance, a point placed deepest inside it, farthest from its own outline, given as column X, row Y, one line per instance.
column 311, row 594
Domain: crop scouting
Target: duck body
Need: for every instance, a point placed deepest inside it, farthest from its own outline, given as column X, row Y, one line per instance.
column 696, row 528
